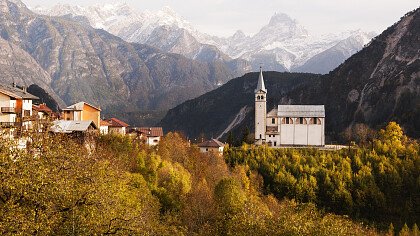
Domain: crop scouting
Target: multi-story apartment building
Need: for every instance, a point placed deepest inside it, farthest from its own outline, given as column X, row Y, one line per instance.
column 15, row 108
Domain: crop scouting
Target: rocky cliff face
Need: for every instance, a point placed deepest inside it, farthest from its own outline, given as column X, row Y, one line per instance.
column 379, row 84
column 79, row 63
column 164, row 29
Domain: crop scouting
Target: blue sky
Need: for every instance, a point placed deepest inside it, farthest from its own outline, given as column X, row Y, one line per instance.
column 224, row 17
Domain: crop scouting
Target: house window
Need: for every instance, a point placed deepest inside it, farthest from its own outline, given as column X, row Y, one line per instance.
column 275, row 143
column 273, row 120
column 207, row 149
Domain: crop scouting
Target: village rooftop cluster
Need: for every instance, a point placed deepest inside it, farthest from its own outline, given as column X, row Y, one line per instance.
column 22, row 113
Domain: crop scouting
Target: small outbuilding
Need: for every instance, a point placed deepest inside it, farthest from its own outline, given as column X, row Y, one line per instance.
column 212, row 145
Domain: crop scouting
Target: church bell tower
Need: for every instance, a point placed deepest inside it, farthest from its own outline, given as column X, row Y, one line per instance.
column 260, row 110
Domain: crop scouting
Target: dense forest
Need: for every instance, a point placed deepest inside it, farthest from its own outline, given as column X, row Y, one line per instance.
column 115, row 185
column 378, row 183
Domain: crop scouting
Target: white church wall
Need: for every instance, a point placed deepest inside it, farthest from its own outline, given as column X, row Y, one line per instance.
column 301, row 134
column 315, row 135
column 287, row 134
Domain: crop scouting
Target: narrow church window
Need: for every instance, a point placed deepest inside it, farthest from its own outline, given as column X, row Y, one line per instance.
column 315, row 120
column 275, row 143
column 258, row 97
column 262, row 97
column 273, row 120
column 260, row 136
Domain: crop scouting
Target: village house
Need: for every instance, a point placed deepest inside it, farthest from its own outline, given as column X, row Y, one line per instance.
column 42, row 112
column 82, row 111
column 212, row 146
column 15, row 109
column 287, row 125
column 104, row 127
column 117, row 126
column 43, row 116
column 151, row 135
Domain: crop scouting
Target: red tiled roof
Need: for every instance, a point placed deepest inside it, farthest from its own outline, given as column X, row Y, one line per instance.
column 104, row 123
column 114, row 122
column 211, row 143
column 42, row 107
column 151, row 131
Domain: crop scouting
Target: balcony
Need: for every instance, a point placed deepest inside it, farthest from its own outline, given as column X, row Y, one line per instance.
column 8, row 110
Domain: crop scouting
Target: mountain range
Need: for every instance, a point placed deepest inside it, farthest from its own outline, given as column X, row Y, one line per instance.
column 282, row 45
column 75, row 62
column 381, row 83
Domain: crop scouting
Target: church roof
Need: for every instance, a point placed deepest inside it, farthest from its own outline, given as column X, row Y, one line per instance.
column 301, row 111
column 272, row 113
column 211, row 143
column 260, row 85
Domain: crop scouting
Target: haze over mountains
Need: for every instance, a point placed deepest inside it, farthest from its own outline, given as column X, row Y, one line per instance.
column 282, row 45
column 381, row 83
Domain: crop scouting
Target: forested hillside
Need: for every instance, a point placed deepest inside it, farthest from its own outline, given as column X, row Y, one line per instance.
column 121, row 187
column 377, row 183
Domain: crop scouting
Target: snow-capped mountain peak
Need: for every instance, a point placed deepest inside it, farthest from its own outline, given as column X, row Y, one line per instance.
column 282, row 44
column 168, row 16
column 239, row 34
column 282, row 27
column 281, row 18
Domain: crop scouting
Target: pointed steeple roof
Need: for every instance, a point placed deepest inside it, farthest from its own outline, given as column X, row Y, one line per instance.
column 260, row 85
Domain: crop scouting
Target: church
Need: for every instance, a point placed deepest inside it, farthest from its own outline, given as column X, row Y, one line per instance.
column 287, row 125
